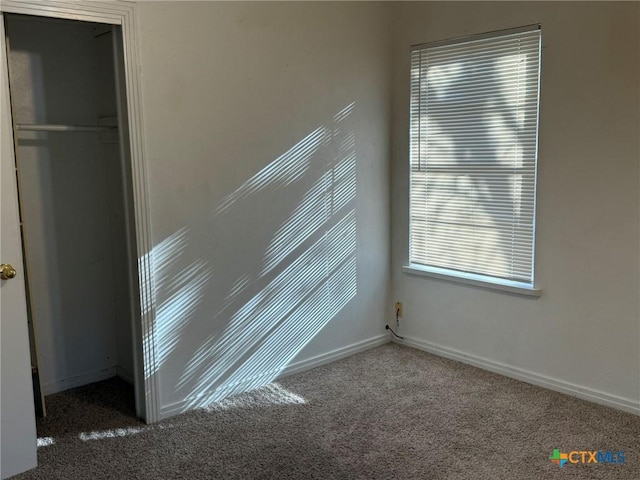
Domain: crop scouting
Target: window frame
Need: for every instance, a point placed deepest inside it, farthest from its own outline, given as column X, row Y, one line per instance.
column 474, row 278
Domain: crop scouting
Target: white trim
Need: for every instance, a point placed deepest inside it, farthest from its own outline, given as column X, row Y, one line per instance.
column 471, row 279
column 122, row 13
column 78, row 381
column 182, row 406
column 87, row 11
column 620, row 403
column 146, row 272
column 125, row 375
column 334, row 355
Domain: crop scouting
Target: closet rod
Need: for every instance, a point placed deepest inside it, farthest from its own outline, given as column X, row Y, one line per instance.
column 64, row 128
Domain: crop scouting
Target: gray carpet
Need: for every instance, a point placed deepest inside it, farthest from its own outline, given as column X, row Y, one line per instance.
column 389, row 413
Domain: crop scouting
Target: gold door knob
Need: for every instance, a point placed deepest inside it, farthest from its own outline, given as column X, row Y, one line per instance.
column 7, row 272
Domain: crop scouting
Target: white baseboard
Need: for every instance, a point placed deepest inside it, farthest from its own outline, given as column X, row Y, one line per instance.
column 125, row 375
column 295, row 367
column 585, row 393
column 334, row 355
column 77, row 381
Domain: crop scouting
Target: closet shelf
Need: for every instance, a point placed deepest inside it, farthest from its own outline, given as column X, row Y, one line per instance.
column 64, row 128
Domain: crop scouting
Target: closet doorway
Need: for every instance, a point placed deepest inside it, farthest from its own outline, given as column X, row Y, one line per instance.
column 75, row 194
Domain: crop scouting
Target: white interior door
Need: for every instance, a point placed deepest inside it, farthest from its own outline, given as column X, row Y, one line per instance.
column 17, row 418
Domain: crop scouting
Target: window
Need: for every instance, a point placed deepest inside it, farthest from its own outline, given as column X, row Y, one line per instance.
column 473, row 155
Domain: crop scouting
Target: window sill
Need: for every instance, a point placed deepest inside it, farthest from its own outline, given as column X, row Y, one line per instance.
column 472, row 279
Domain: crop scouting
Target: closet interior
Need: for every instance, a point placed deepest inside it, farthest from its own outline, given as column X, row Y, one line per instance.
column 74, row 187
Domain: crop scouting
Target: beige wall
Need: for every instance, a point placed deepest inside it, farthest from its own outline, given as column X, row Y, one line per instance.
column 267, row 136
column 583, row 334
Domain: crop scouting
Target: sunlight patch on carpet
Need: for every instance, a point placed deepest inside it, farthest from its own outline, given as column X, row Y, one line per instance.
column 114, row 433
column 269, row 395
column 45, row 441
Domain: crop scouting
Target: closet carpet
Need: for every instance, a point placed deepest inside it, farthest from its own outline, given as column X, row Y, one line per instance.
column 389, row 413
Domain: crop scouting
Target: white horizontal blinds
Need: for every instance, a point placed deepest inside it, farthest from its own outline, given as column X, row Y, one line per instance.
column 473, row 149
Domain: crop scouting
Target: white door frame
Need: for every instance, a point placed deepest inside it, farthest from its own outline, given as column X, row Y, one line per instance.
column 143, row 318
